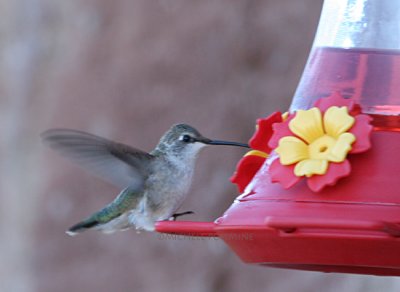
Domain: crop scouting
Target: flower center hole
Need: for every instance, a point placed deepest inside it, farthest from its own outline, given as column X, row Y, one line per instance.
column 323, row 148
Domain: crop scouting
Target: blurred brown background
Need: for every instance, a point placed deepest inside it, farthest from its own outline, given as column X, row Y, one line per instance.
column 127, row 70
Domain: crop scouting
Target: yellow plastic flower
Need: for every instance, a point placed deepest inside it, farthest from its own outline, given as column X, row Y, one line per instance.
column 318, row 141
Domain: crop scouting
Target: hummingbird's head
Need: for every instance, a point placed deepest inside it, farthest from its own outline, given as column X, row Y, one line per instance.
column 184, row 140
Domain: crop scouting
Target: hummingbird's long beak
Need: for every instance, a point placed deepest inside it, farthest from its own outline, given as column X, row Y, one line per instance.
column 219, row 142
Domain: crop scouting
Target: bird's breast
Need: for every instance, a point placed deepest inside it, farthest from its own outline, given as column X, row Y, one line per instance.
column 170, row 179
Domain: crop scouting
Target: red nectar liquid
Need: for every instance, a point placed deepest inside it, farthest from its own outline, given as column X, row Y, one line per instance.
column 370, row 77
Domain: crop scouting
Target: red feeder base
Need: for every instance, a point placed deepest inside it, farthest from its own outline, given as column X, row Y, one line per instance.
column 352, row 227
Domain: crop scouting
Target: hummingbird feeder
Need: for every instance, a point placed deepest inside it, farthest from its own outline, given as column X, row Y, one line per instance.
column 320, row 187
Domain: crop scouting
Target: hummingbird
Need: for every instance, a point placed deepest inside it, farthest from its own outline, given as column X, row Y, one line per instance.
column 154, row 185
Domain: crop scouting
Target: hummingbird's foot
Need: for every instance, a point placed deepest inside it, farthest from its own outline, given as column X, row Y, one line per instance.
column 176, row 215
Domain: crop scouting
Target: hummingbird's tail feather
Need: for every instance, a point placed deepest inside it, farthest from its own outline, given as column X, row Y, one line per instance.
column 114, row 216
column 82, row 226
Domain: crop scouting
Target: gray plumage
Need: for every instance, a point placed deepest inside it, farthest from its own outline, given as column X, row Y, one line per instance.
column 153, row 184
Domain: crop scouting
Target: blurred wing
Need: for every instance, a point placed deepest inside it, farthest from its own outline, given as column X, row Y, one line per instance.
column 114, row 162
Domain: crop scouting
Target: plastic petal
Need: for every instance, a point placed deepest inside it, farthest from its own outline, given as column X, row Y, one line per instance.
column 280, row 130
column 342, row 146
column 337, row 121
column 334, row 99
column 334, row 173
column 246, row 169
column 307, row 124
column 264, row 131
column 311, row 167
column 362, row 130
column 291, row 150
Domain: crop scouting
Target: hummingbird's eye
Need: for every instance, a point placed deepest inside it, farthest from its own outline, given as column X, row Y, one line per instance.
column 186, row 138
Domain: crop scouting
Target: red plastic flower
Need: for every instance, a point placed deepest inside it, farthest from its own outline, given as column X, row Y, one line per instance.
column 313, row 144
column 254, row 159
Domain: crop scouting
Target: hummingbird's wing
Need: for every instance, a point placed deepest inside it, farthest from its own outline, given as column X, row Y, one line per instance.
column 117, row 163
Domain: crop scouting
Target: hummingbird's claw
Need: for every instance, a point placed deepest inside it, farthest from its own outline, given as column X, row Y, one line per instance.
column 176, row 215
